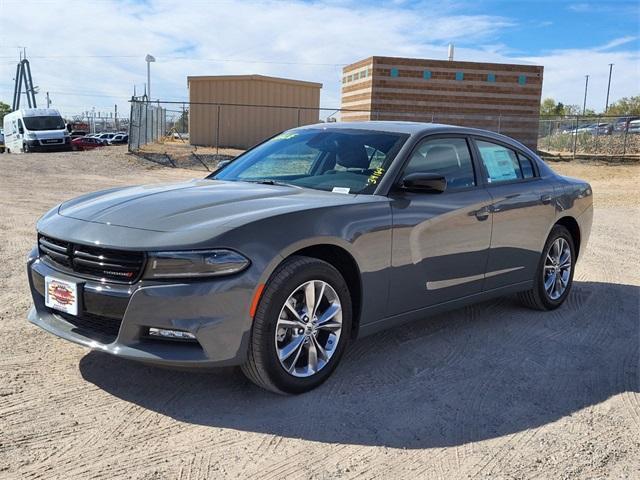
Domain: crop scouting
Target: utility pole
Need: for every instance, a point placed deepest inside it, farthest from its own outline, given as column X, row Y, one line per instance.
column 586, row 86
column 606, row 106
column 115, row 116
column 48, row 100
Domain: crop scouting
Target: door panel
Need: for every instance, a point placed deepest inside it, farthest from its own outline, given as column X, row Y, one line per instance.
column 440, row 240
column 440, row 248
column 521, row 213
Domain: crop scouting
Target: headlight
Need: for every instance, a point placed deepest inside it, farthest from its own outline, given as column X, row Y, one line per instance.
column 195, row 263
column 30, row 136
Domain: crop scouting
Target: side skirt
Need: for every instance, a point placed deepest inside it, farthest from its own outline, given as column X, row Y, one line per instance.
column 395, row 320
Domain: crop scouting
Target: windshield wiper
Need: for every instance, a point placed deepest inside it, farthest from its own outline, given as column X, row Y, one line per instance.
column 272, row 182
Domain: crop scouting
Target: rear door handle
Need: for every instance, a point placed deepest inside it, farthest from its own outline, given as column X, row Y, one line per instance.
column 545, row 199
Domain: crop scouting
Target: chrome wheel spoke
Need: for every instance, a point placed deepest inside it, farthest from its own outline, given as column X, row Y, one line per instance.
column 312, row 357
column 292, row 310
column 321, row 351
column 290, row 348
column 329, row 313
column 286, row 323
column 310, row 297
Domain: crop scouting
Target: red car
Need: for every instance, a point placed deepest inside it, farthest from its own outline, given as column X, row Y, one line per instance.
column 86, row 143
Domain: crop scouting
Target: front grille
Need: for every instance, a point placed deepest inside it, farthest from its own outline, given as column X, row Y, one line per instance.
column 95, row 262
column 101, row 329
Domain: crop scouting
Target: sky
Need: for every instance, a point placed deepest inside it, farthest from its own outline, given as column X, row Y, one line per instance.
column 90, row 54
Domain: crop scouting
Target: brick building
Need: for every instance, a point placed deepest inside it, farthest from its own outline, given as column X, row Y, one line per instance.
column 493, row 96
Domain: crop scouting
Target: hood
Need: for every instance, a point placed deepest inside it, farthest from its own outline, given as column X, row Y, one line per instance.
column 48, row 134
column 195, row 204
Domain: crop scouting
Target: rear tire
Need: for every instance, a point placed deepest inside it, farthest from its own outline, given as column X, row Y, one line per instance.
column 554, row 275
column 294, row 347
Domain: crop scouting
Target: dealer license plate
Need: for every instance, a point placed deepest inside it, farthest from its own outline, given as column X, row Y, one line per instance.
column 61, row 295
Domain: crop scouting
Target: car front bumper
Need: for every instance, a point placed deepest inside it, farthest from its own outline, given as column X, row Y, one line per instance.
column 115, row 318
column 43, row 146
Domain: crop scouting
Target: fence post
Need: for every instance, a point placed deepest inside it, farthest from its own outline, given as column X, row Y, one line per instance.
column 130, row 120
column 218, row 132
column 597, row 131
column 624, row 144
column 549, row 136
column 139, row 123
column 575, row 138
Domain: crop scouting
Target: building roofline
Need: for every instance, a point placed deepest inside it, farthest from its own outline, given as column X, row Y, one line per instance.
column 453, row 63
column 260, row 78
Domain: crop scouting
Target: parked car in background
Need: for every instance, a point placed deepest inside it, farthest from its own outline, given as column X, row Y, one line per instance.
column 1, row 140
column 315, row 237
column 119, row 139
column 86, row 143
column 78, row 134
column 634, row 126
column 622, row 124
column 105, row 137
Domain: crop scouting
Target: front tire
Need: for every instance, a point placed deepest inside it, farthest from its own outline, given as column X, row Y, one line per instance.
column 301, row 327
column 554, row 275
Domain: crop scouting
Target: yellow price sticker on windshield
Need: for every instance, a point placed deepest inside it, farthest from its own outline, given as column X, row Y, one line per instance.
column 375, row 176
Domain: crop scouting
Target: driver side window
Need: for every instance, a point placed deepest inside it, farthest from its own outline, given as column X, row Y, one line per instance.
column 449, row 157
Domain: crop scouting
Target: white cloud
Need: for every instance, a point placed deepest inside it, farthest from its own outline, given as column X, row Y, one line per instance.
column 310, row 39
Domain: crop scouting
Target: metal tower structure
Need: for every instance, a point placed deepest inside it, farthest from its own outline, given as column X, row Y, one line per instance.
column 23, row 76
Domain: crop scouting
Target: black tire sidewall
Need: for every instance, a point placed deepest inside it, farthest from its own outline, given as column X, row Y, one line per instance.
column 276, row 293
column 557, row 232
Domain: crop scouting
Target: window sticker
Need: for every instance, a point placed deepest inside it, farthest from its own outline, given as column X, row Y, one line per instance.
column 341, row 190
column 286, row 136
column 499, row 164
column 375, row 176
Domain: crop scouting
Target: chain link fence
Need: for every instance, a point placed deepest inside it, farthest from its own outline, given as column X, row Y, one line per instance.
column 199, row 135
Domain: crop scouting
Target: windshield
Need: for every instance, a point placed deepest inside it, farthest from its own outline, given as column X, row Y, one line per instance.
column 344, row 160
column 43, row 123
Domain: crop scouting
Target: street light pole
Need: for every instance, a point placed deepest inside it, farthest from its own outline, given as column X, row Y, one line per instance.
column 149, row 59
column 606, row 106
column 584, row 104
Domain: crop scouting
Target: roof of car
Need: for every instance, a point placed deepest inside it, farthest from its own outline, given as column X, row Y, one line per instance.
column 416, row 128
column 409, row 128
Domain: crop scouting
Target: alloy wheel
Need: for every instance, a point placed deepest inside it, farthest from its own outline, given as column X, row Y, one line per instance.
column 557, row 268
column 308, row 328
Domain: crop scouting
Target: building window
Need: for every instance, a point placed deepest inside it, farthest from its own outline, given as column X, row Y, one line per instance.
column 491, row 77
column 394, row 72
column 459, row 76
column 363, row 74
column 522, row 79
column 349, row 78
column 426, row 74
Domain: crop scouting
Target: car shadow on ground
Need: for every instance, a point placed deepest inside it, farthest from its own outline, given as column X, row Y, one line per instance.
column 472, row 374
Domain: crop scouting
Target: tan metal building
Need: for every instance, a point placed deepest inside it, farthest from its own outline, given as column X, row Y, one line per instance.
column 242, row 110
column 494, row 96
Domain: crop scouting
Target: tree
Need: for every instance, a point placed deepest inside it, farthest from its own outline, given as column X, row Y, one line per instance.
column 4, row 109
column 549, row 107
column 625, row 106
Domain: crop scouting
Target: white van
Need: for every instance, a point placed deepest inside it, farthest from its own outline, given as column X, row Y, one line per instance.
column 32, row 129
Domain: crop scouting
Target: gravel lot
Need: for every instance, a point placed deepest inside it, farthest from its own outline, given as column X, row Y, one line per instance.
column 488, row 391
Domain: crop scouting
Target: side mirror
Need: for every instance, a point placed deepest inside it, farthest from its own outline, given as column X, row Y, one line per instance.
column 425, row 182
column 21, row 130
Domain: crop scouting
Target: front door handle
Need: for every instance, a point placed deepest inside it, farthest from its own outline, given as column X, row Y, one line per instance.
column 545, row 199
column 482, row 214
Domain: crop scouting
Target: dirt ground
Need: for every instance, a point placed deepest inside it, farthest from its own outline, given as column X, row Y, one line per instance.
column 488, row 391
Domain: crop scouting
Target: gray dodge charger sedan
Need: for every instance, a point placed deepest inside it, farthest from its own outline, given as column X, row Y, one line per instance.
column 319, row 235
